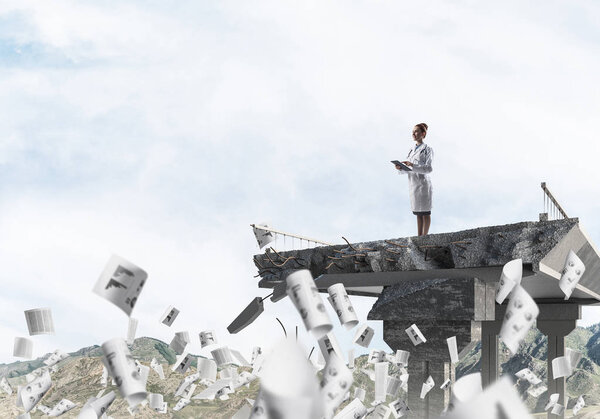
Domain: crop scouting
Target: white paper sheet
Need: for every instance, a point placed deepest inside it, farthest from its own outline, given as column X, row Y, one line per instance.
column 561, row 367
column 399, row 408
column 181, row 403
column 452, row 349
column 296, row 398
column 578, row 406
column 61, row 407
column 39, row 321
column 499, row 400
column 381, row 373
column 364, row 335
column 467, row 387
column 263, row 237
column 552, row 400
column 537, row 391
column 5, row 386
column 157, row 368
column 222, row 356
column 521, row 313
column 55, row 357
column 169, row 316
column 23, row 348
column 353, row 410
column 375, row 356
column 304, row 294
column 336, row 382
column 207, row 369
column 360, row 393
column 446, row 384
column 328, row 344
column 571, row 274
column 340, row 301
column 30, row 395
column 415, row 335
column 182, row 363
column 131, row 329
column 512, row 272
column 121, row 283
column 207, row 338
column 528, row 375
column 427, row 386
column 121, row 366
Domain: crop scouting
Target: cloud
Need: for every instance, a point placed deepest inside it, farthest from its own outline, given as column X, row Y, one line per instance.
column 162, row 133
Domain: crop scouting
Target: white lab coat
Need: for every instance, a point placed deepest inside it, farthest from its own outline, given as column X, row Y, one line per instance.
column 419, row 184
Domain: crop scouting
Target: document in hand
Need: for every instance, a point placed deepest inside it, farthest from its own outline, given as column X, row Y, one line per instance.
column 402, row 166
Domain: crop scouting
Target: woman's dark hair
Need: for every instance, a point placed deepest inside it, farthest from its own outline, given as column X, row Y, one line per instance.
column 423, row 127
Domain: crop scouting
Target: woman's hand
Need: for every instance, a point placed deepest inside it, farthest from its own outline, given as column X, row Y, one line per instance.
column 409, row 164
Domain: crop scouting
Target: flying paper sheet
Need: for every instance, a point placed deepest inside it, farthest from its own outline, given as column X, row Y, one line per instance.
column 340, row 301
column 561, row 367
column 207, row 338
column 55, row 357
column 360, row 393
column 144, row 371
column 121, row 283
column 427, row 386
column 39, row 321
column 382, row 411
column 402, row 358
column 364, row 335
column 95, row 407
column 537, row 391
column 467, row 387
column 328, row 344
column 336, row 382
column 558, row 409
column 399, row 408
column 512, row 272
column 256, row 351
column 157, row 368
column 499, row 400
column 571, row 274
column 381, row 373
column 222, row 356
column 182, row 363
column 133, row 323
column 304, row 294
column 23, row 348
column 207, row 369
column 415, row 335
column 61, row 407
column 296, row 398
column 213, row 390
column 520, row 315
column 552, row 400
column 375, row 356
column 188, row 391
column 30, row 395
column 528, row 375
column 185, row 383
column 446, row 384
column 243, row 412
column 240, row 358
column 353, row 410
column 5, row 386
column 452, row 349
column 122, row 368
column 242, row 379
column 169, row 316
column 263, row 237
column 180, row 342
column 574, row 357
column 394, row 384
column 156, row 402
column 181, row 403
column 579, row 405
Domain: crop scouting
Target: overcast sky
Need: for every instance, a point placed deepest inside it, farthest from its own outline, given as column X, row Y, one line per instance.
column 159, row 131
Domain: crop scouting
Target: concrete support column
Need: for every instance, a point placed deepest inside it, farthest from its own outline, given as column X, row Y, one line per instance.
column 436, row 400
column 489, row 351
column 556, row 330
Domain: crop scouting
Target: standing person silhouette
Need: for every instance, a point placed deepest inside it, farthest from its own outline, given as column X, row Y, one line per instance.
column 419, row 159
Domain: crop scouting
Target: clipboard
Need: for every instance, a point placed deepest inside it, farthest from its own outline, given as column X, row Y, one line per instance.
column 402, row 165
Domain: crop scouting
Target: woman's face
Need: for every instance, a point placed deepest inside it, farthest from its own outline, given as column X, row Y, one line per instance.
column 417, row 134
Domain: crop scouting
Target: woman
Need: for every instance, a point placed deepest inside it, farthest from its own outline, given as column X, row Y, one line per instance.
column 419, row 185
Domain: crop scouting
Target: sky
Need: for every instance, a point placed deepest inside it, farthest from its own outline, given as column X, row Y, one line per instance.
column 159, row 131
